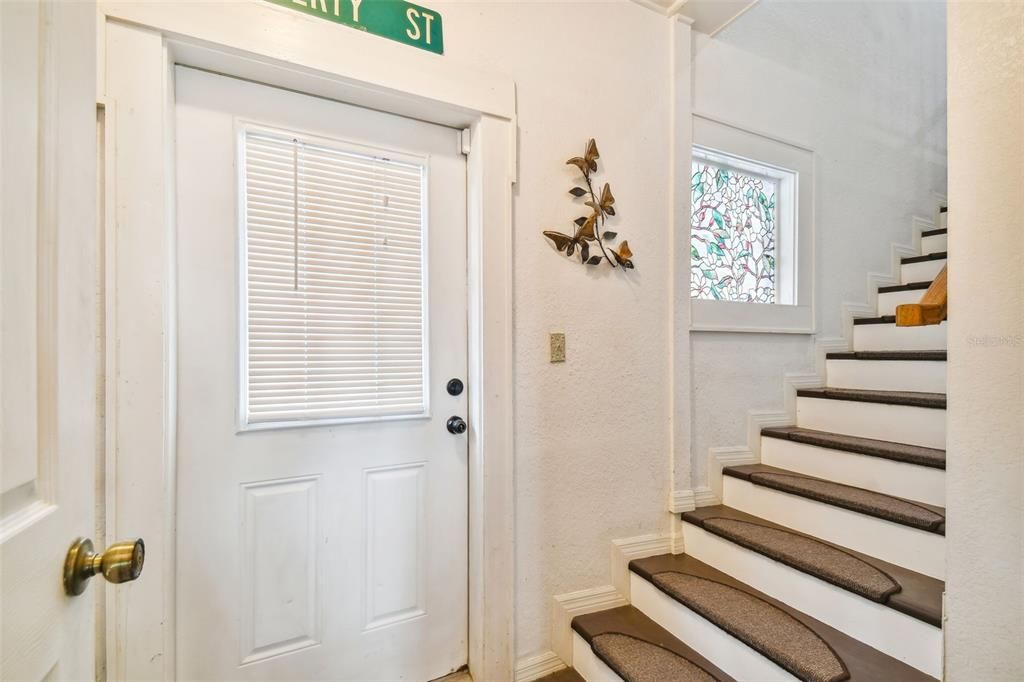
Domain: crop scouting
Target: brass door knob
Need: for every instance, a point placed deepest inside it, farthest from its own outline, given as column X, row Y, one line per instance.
column 121, row 563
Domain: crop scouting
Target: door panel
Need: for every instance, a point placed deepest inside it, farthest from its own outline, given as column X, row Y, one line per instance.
column 48, row 351
column 319, row 551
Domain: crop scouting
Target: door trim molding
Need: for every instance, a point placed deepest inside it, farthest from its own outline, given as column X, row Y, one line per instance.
column 140, row 43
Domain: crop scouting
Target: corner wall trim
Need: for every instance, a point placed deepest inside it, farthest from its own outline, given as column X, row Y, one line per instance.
column 568, row 606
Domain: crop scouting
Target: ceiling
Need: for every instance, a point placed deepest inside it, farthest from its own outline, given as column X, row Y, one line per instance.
column 709, row 16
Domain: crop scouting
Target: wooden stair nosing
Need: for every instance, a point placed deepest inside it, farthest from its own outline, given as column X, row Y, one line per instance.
column 935, row 401
column 744, row 472
column 938, row 255
column 920, row 595
column 863, row 662
column 890, row 355
column 563, row 675
column 934, row 233
column 919, row 455
column 629, row 620
column 881, row 319
column 912, row 286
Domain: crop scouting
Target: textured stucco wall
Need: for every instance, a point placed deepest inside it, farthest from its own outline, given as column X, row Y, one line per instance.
column 985, row 432
column 862, row 84
column 592, row 435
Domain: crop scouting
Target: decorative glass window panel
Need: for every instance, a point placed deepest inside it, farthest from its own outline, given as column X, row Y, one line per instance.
column 333, row 291
column 733, row 231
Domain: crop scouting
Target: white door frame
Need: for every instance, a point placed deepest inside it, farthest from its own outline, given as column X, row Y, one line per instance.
column 139, row 44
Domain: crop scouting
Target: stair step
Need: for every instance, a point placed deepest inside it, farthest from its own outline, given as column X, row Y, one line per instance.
column 918, row 268
column 912, row 286
column 906, row 591
column 917, row 515
column 718, row 614
column 881, row 333
column 637, row 649
column 941, row 255
column 906, row 471
column 907, row 417
column 563, row 675
column 936, row 401
column 911, row 454
column 891, row 355
column 923, row 551
column 920, row 371
column 934, row 240
column 890, row 608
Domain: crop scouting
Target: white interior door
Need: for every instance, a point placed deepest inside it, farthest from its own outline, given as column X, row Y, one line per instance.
column 48, row 351
column 322, row 501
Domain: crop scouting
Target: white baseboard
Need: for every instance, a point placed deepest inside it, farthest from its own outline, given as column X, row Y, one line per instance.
column 682, row 501
column 535, row 667
column 565, row 607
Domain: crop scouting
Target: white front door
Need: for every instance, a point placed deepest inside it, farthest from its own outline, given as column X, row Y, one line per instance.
column 321, row 283
column 48, row 350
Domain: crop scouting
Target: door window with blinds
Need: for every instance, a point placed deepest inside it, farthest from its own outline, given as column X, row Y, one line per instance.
column 333, row 298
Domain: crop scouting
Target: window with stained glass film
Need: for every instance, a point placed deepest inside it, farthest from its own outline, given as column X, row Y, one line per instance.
column 733, row 232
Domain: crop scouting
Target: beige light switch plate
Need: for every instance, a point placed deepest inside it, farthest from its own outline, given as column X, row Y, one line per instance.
column 557, row 347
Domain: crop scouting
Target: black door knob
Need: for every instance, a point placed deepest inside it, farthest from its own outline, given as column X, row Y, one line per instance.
column 456, row 425
column 454, row 387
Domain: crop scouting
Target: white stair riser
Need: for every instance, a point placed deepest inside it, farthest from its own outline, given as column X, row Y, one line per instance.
column 891, row 337
column 888, row 375
column 922, row 271
column 894, row 633
column 895, row 423
column 933, row 243
column 942, row 220
column 588, row 665
column 887, row 301
column 728, row 653
column 910, row 481
column 915, row 549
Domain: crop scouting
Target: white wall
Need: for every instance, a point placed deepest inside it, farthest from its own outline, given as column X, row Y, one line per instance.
column 985, row 478
column 862, row 84
column 592, row 435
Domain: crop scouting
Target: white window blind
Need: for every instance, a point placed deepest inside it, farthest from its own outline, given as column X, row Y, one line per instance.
column 334, row 282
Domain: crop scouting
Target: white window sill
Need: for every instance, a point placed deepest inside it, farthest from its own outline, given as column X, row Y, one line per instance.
column 762, row 318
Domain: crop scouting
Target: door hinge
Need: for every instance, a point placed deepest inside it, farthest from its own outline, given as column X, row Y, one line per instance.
column 466, row 141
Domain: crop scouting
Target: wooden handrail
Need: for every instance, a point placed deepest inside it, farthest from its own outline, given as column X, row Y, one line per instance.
column 930, row 310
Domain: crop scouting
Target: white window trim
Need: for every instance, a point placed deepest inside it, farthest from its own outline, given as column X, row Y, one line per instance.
column 782, row 318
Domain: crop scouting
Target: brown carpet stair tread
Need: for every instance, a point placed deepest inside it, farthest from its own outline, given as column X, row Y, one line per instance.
column 914, row 594
column 890, row 355
column 918, row 515
column 935, row 401
column 900, row 452
column 804, row 646
column 640, row 650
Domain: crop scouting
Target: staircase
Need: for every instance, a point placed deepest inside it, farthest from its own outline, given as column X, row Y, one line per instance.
column 825, row 561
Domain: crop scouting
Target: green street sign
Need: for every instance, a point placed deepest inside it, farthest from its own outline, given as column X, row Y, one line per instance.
column 395, row 19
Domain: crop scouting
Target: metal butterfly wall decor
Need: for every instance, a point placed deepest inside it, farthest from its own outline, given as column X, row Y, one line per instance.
column 590, row 229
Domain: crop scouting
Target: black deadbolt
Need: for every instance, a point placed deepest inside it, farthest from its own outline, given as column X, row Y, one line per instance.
column 456, row 425
column 455, row 386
